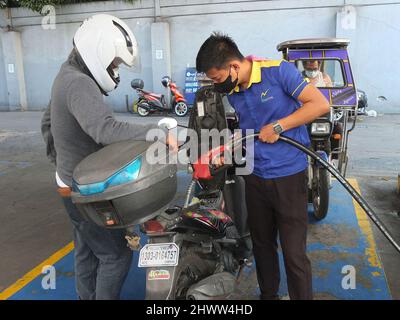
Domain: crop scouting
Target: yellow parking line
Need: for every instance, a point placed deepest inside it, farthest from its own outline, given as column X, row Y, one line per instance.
column 365, row 226
column 34, row 273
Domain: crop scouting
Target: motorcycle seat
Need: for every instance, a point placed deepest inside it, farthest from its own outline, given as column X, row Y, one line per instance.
column 155, row 95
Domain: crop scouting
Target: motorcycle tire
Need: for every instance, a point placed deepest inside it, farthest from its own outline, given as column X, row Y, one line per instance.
column 320, row 193
column 181, row 109
column 191, row 269
column 142, row 111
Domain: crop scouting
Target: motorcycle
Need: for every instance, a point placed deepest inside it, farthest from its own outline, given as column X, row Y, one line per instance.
column 197, row 251
column 320, row 131
column 329, row 133
column 149, row 102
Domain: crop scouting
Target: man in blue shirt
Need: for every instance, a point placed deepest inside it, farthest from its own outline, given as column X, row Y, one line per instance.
column 271, row 97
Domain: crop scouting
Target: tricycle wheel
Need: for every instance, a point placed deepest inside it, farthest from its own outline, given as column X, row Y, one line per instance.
column 320, row 192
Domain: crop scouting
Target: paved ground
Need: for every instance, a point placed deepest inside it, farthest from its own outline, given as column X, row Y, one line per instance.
column 34, row 225
column 374, row 150
column 339, row 240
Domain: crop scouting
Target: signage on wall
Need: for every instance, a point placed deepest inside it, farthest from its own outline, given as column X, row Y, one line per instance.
column 159, row 54
column 193, row 81
column 11, row 68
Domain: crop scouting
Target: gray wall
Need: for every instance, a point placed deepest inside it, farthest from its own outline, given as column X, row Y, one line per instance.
column 256, row 33
column 257, row 27
column 374, row 49
column 46, row 50
column 3, row 84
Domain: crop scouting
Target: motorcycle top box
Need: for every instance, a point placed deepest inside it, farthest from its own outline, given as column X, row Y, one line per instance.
column 123, row 185
column 137, row 84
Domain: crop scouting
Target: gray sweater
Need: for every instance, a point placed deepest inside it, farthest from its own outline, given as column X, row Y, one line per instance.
column 81, row 123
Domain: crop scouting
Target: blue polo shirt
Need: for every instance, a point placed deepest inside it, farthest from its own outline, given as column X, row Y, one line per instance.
column 271, row 95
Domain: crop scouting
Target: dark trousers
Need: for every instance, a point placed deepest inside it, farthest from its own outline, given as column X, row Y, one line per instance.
column 279, row 206
column 102, row 258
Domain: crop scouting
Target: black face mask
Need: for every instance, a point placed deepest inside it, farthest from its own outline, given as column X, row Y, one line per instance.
column 227, row 86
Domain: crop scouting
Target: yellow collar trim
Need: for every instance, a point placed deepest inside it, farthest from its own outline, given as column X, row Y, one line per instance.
column 255, row 76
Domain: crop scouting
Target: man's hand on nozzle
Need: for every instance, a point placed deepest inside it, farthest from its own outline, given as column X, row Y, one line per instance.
column 268, row 135
column 170, row 124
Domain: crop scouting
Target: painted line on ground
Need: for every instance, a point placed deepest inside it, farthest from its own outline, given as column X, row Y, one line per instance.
column 366, row 227
column 37, row 271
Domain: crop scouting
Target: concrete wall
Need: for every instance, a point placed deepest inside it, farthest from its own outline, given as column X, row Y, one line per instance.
column 374, row 49
column 255, row 33
column 3, row 83
column 257, row 27
column 45, row 50
column 15, row 72
column 43, row 61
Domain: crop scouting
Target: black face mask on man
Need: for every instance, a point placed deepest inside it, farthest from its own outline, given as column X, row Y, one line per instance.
column 228, row 85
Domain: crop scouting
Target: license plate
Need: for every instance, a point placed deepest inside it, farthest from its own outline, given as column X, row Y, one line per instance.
column 159, row 255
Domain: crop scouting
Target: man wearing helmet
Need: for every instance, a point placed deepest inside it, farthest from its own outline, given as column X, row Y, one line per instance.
column 81, row 123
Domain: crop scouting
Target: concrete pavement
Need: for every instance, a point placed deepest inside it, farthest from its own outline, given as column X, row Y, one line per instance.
column 34, row 224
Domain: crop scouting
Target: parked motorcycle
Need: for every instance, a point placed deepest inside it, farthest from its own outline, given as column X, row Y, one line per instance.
column 149, row 102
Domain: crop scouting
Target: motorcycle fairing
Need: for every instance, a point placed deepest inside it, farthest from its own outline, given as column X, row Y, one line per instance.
column 177, row 95
column 210, row 216
column 204, row 221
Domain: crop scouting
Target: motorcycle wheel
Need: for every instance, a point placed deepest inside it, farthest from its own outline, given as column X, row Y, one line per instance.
column 142, row 111
column 338, row 115
column 320, row 193
column 181, row 109
column 191, row 269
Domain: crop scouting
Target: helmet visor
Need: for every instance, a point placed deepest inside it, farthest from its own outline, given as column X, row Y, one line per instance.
column 136, row 68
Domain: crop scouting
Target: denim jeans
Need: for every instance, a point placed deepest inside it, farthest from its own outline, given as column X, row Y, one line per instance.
column 102, row 258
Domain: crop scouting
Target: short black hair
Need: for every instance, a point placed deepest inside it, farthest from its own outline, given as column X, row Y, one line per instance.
column 216, row 51
column 305, row 62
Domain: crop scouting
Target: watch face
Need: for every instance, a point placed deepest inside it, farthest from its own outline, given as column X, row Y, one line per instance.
column 277, row 128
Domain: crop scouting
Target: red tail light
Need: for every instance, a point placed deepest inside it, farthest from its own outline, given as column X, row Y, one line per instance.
column 153, row 226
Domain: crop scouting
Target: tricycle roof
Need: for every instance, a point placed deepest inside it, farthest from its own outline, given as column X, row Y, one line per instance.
column 314, row 43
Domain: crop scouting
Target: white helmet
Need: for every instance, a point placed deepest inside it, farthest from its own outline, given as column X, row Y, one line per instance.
column 104, row 42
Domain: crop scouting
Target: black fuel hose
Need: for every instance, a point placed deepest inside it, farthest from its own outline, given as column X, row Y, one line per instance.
column 353, row 192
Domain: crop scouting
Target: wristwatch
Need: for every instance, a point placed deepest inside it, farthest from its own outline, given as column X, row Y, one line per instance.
column 277, row 127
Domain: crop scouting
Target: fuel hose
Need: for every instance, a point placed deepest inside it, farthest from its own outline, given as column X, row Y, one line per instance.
column 353, row 192
column 350, row 189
